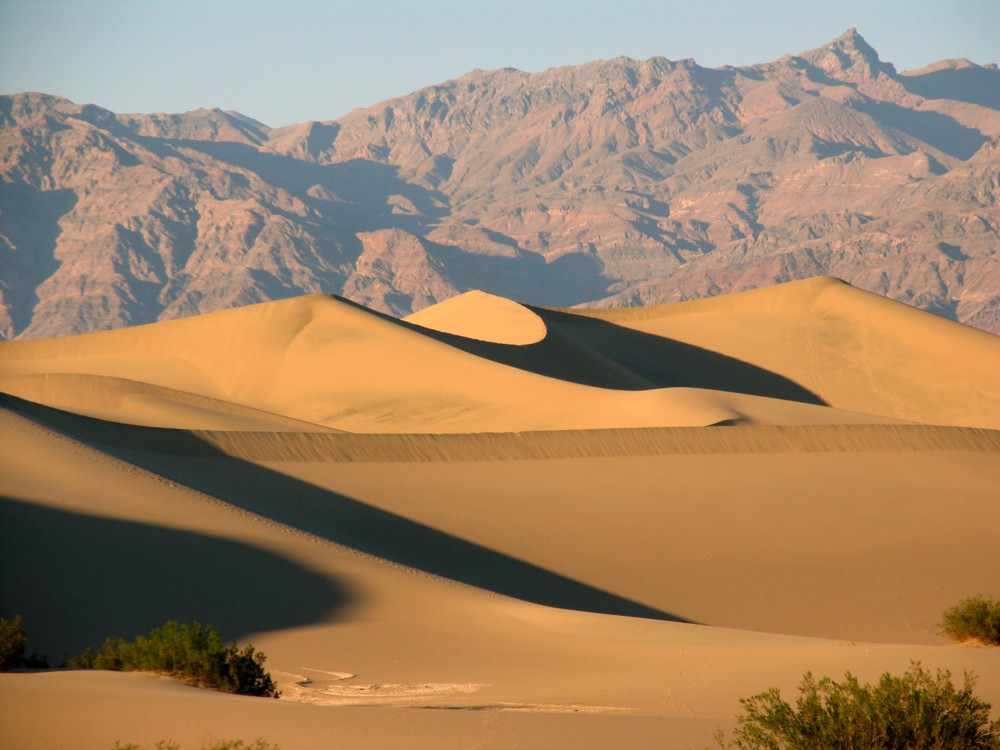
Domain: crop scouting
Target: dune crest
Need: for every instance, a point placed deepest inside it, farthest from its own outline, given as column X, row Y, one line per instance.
column 855, row 350
column 142, row 404
column 484, row 317
column 543, row 504
column 331, row 363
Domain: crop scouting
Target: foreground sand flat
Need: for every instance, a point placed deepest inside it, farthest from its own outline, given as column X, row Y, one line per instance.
column 517, row 528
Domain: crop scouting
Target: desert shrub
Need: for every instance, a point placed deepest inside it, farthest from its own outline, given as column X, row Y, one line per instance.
column 193, row 653
column 35, row 661
column 918, row 711
column 13, row 641
column 976, row 618
column 243, row 672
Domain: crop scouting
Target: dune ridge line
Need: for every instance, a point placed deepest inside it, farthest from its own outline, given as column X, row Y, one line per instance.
column 346, row 447
column 266, row 446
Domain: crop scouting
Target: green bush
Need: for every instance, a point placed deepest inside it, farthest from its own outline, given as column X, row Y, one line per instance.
column 974, row 619
column 13, row 641
column 243, row 672
column 193, row 653
column 918, row 711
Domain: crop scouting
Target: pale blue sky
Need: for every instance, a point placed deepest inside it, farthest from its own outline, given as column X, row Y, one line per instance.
column 287, row 61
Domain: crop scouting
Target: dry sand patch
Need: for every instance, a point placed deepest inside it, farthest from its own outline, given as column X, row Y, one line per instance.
column 514, row 552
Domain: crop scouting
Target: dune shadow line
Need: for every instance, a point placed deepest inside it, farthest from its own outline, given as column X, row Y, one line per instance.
column 190, row 461
column 77, row 579
column 374, row 531
column 594, row 352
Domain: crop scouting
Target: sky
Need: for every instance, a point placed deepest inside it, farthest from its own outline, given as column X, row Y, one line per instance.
column 289, row 61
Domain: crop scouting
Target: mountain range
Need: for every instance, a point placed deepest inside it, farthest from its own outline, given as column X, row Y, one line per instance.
column 611, row 184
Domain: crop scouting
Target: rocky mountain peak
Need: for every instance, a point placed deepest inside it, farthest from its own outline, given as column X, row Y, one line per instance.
column 848, row 56
column 207, row 124
column 618, row 182
column 21, row 108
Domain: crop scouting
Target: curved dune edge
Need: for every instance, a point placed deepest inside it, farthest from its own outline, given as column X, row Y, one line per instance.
column 861, row 531
column 854, row 349
column 322, row 360
column 274, row 445
column 256, row 446
column 545, row 672
column 143, row 404
column 569, row 406
column 482, row 316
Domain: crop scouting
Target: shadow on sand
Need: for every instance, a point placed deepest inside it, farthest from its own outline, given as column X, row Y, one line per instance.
column 77, row 579
column 594, row 352
column 184, row 458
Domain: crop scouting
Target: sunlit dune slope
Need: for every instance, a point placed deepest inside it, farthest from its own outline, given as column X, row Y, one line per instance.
column 324, row 565
column 557, row 525
column 804, row 530
column 853, row 349
column 816, row 352
column 134, row 402
column 483, row 316
column 322, row 360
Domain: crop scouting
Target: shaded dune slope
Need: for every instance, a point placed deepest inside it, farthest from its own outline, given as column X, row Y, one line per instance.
column 320, row 513
column 107, row 561
column 603, row 521
column 316, row 445
column 241, row 405
column 329, row 362
column 503, row 511
column 853, row 349
column 592, row 352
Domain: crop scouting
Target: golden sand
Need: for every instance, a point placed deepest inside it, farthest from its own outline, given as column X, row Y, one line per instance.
column 494, row 525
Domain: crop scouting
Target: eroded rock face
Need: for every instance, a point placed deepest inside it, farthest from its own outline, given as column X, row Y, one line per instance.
column 613, row 183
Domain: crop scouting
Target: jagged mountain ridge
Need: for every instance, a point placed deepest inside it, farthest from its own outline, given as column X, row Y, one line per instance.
column 613, row 183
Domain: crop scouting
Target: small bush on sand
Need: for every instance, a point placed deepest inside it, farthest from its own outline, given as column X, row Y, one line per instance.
column 12, row 642
column 974, row 619
column 918, row 711
column 243, row 672
column 193, row 653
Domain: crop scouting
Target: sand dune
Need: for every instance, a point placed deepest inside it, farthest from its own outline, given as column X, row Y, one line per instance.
column 482, row 316
column 496, row 525
column 329, row 362
column 138, row 403
column 853, row 349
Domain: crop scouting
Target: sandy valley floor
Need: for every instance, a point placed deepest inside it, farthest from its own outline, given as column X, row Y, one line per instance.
column 494, row 526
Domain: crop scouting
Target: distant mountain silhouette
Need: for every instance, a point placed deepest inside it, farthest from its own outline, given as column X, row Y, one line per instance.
column 612, row 183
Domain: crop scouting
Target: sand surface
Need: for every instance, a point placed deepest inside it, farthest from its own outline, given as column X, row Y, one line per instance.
column 492, row 525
